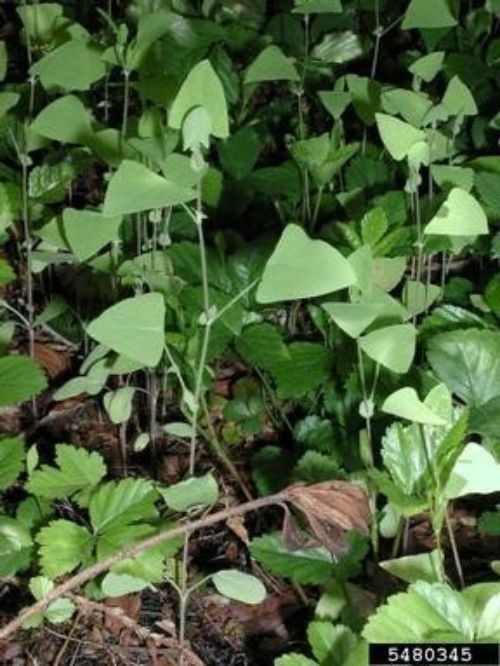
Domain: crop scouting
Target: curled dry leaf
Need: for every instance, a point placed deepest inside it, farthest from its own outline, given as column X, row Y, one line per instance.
column 331, row 509
column 53, row 359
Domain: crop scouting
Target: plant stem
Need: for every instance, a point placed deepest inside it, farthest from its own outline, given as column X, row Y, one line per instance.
column 103, row 565
column 454, row 549
column 126, row 101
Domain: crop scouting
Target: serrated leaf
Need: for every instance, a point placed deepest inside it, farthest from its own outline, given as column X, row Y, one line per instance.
column 195, row 491
column 291, row 273
column 119, row 503
column 271, row 65
column 460, row 215
column 308, row 368
column 202, row 87
column 20, row 378
column 77, row 471
column 134, row 188
column 11, row 460
column 63, row 546
column 239, row 586
column 134, row 327
column 306, row 565
column 262, row 345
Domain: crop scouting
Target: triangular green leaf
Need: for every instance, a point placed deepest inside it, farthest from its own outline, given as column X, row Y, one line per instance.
column 65, row 120
column 88, row 231
column 405, row 404
column 428, row 66
column 429, row 14
column 392, row 346
column 352, row 318
column 424, row 566
column 458, row 99
column 202, row 87
column 460, row 215
column 75, row 65
column 135, row 188
column 134, row 327
column 271, row 65
column 398, row 137
column 475, row 471
column 291, row 272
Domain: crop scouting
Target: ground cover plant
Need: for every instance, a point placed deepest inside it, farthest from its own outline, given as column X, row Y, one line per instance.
column 249, row 329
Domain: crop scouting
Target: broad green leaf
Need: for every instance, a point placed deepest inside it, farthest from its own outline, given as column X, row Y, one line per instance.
column 405, row 404
column 240, row 152
column 75, row 65
column 8, row 100
column 404, row 455
column 179, row 429
column 458, row 99
column 428, row 14
column 3, row 60
column 14, row 536
column 453, row 176
column 387, row 272
column 77, row 471
column 305, row 565
column 419, row 614
column 63, row 546
column 352, row 318
column 11, row 460
column 202, row 87
column 331, row 644
column 135, row 188
column 196, row 130
column 488, row 628
column 294, row 659
column 398, row 137
column 468, row 362
column 428, row 67
column 262, row 345
column 41, row 20
column 309, row 366
column 195, row 491
column 317, row 6
column 271, row 65
column 65, row 120
column 118, row 404
column 58, row 611
column 460, row 215
column 338, row 47
column 88, row 231
column 20, row 378
column 365, row 93
column 120, row 503
column 239, row 586
column 392, row 346
column 476, row 471
column 418, row 297
column 335, row 102
column 134, row 327
column 117, row 585
column 424, row 566
column 411, row 105
column 291, row 271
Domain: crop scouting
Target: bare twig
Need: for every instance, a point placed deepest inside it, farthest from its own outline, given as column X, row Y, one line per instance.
column 131, row 551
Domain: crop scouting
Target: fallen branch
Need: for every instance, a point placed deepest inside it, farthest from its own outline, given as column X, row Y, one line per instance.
column 131, row 551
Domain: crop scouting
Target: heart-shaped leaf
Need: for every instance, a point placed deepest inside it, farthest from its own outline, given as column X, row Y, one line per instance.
column 405, row 404
column 134, row 327
column 291, row 272
column 460, row 215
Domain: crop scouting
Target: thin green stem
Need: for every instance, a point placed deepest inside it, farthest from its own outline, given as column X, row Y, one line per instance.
column 454, row 549
column 126, row 101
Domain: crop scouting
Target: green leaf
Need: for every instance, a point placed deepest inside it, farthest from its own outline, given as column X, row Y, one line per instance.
column 77, row 471
column 120, row 503
column 271, row 65
column 458, row 99
column 306, row 565
column 195, row 491
column 75, row 65
column 489, row 523
column 453, row 176
column 424, row 566
column 134, row 327
column 352, row 318
column 428, row 14
column 338, row 47
column 239, row 154
column 309, row 366
column 202, row 87
column 291, row 271
column 88, row 231
column 41, row 21
column 404, row 455
column 63, row 546
column 239, row 586
column 398, row 137
column 20, row 379
column 392, row 346
column 335, row 102
column 411, row 105
column 405, row 404
column 468, row 362
column 3, row 60
column 118, row 404
column 428, row 67
column 419, row 614
column 58, row 611
column 317, row 6
column 488, row 627
column 475, row 472
column 179, row 429
column 294, row 659
column 14, row 536
column 135, row 188
column 460, row 215
column 8, row 100
column 262, row 345
column 331, row 644
column 65, row 120
column 117, row 585
column 11, row 460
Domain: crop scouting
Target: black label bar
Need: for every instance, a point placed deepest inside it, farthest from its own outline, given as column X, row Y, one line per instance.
column 430, row 654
